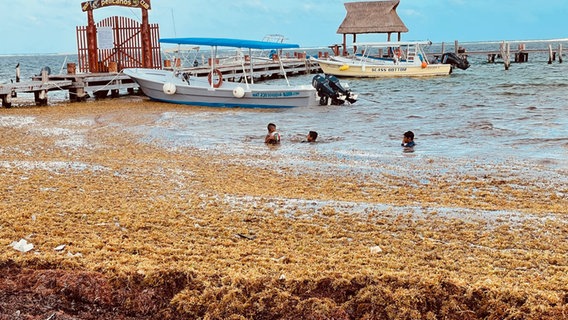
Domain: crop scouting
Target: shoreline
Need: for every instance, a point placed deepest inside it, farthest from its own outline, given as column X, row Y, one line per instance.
column 215, row 235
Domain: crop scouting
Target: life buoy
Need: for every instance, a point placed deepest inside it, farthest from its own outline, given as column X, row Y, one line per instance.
column 218, row 83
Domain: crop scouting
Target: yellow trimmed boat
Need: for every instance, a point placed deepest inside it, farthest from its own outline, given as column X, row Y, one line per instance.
column 385, row 59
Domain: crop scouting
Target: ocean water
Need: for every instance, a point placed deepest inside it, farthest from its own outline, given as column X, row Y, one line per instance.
column 476, row 119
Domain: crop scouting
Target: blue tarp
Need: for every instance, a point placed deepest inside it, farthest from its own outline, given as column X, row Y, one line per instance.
column 227, row 42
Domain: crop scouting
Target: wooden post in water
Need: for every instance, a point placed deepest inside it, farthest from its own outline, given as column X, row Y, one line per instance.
column 18, row 72
column 549, row 54
column 40, row 97
column 506, row 54
column 14, row 94
column 560, row 53
column 456, row 47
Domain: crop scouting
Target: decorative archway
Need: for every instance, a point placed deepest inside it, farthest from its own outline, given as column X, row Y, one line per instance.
column 117, row 42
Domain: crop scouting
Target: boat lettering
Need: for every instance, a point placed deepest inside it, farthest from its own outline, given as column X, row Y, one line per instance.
column 275, row 94
column 396, row 69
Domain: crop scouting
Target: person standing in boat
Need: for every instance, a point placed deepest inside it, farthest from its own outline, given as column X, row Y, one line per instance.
column 408, row 139
column 273, row 137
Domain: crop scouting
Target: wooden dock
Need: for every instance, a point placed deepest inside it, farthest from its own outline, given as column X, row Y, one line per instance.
column 38, row 87
column 81, row 86
column 520, row 54
column 100, row 85
column 263, row 70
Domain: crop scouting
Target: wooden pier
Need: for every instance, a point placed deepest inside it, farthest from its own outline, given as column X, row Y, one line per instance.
column 78, row 86
column 264, row 70
column 100, row 85
column 554, row 50
column 81, row 86
column 39, row 87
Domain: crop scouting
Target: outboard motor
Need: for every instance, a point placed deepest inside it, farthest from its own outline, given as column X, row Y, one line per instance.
column 455, row 60
column 329, row 88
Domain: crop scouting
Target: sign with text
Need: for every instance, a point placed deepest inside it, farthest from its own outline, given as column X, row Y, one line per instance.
column 95, row 4
column 105, row 38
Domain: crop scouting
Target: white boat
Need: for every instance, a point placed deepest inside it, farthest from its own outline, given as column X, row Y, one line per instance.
column 177, row 86
column 386, row 59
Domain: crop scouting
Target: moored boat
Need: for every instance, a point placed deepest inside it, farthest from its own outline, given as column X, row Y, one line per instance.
column 177, row 86
column 385, row 59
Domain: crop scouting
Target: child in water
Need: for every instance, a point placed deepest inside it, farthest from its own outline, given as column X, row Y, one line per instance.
column 272, row 137
column 408, row 139
column 312, row 136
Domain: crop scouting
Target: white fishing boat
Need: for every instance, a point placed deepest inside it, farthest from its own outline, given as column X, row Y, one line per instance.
column 181, row 87
column 387, row 59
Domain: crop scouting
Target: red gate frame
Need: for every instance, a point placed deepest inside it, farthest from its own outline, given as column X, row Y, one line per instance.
column 135, row 44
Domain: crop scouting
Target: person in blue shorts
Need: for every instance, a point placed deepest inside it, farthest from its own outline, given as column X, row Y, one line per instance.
column 408, row 139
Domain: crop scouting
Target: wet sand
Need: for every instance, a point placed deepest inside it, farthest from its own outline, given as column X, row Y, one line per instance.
column 178, row 233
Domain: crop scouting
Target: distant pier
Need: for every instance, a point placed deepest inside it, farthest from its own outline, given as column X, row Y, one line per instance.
column 554, row 50
column 262, row 69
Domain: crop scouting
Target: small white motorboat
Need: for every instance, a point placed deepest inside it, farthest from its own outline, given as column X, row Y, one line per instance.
column 177, row 86
column 387, row 59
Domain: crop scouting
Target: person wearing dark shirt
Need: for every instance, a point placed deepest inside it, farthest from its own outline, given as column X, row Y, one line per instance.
column 408, row 139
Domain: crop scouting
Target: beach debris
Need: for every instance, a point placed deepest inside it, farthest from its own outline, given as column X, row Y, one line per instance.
column 376, row 249
column 282, row 277
column 282, row 258
column 78, row 254
column 59, row 247
column 23, row 245
column 244, row 236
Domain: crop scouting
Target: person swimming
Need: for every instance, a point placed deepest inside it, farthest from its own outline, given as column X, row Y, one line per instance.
column 311, row 137
column 273, row 137
column 408, row 139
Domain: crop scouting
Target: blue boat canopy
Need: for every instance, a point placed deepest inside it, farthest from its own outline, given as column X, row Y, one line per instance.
column 228, row 42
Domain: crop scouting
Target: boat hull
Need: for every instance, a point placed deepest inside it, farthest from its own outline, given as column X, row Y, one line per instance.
column 165, row 86
column 341, row 69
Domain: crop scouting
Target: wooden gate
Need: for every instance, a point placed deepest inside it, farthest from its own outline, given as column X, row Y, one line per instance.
column 119, row 45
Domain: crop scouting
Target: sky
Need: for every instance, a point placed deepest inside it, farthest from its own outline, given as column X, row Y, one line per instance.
column 48, row 26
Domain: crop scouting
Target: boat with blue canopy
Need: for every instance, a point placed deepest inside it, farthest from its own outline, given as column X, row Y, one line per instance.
column 181, row 87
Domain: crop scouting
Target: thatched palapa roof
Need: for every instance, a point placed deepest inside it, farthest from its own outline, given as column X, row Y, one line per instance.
column 372, row 17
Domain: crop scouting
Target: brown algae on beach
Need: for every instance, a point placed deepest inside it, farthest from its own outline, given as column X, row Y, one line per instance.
column 143, row 231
